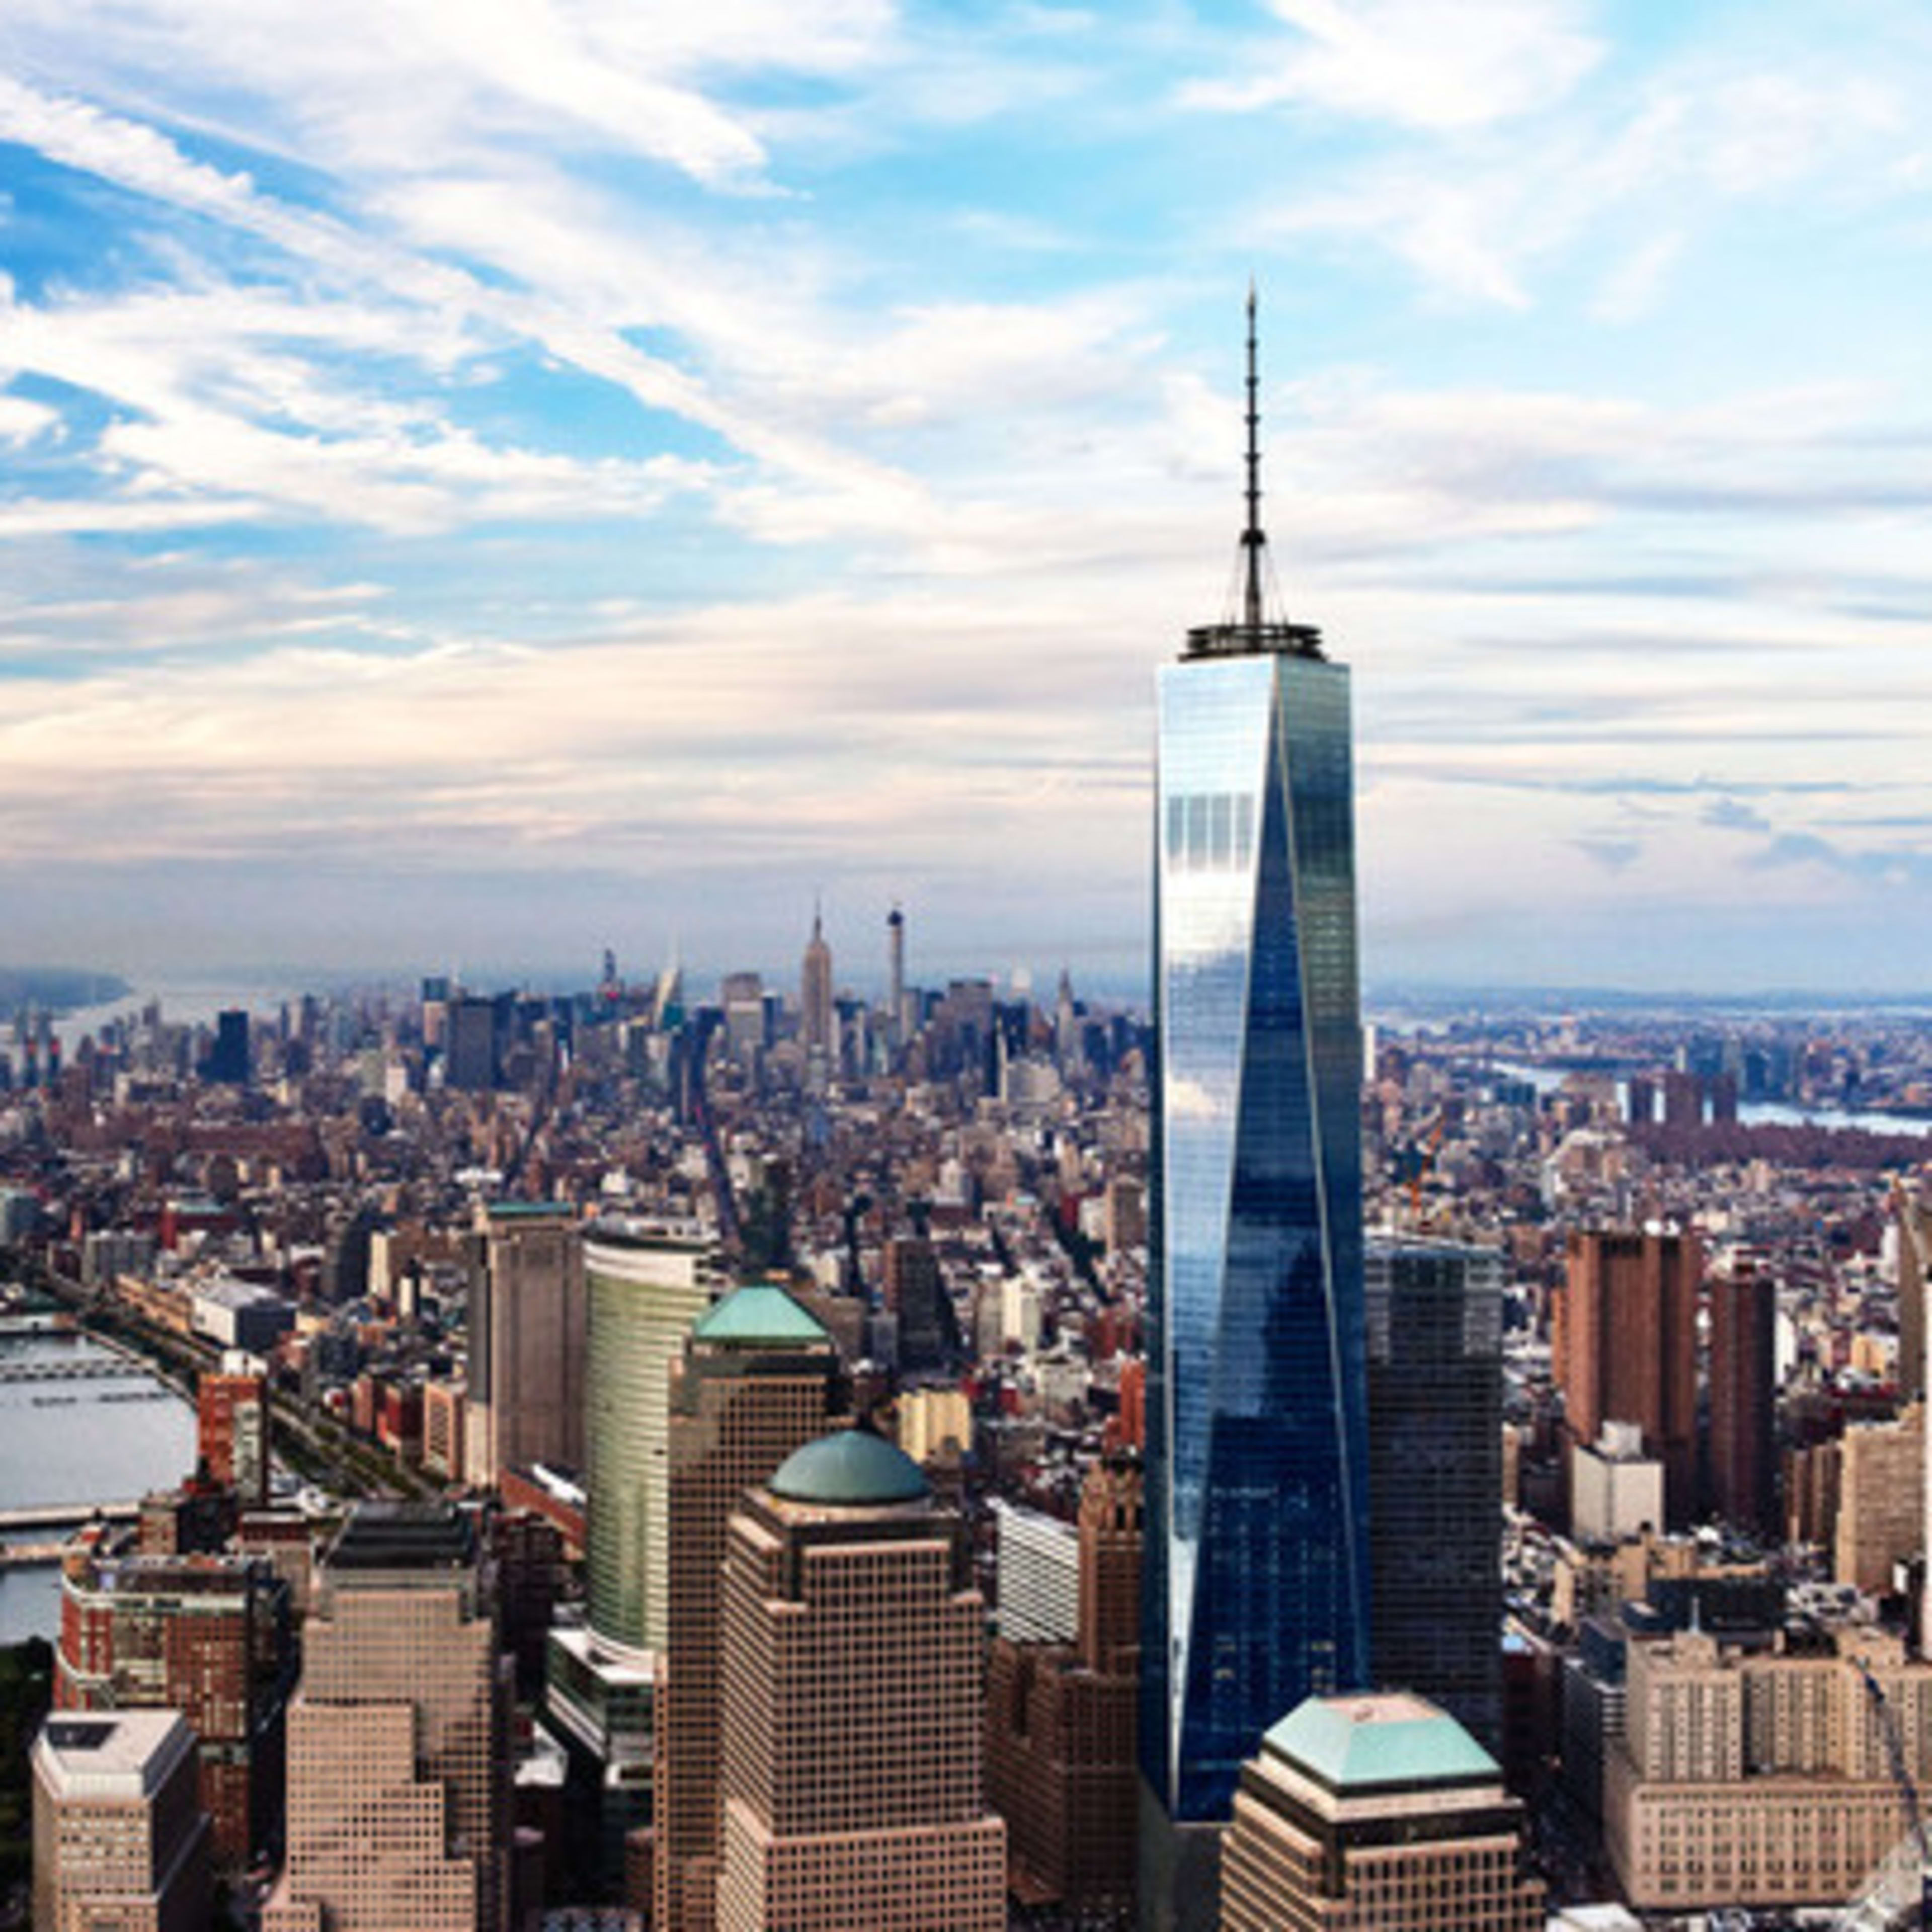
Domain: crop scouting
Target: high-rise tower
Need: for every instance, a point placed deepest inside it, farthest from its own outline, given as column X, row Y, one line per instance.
column 816, row 1017
column 1256, row 1591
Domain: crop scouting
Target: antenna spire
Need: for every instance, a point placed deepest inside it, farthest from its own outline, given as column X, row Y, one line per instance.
column 1252, row 538
column 1249, row 630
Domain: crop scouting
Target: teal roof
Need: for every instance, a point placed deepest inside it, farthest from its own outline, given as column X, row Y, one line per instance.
column 850, row 1468
column 759, row 1316
column 1392, row 1738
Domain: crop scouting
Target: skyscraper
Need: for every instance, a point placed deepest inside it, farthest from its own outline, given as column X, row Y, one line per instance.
column 1744, row 1395
column 852, row 1653
column 816, row 1020
column 119, row 1843
column 527, row 1324
column 895, row 1026
column 1257, row 1584
column 760, row 1378
column 1435, row 1454
column 1624, row 1349
column 1377, row 1811
column 398, row 1741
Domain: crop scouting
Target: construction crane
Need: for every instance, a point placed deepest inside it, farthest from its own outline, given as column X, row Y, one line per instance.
column 1903, row 1882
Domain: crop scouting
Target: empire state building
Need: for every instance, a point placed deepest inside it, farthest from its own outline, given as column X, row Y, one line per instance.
column 1256, row 1577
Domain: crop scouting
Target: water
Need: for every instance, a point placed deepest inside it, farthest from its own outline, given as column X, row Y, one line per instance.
column 108, row 1440
column 1751, row 1113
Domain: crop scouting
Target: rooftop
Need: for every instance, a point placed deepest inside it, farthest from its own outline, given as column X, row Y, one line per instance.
column 118, row 1755
column 404, row 1536
column 1375, row 1740
column 851, row 1468
column 761, row 1316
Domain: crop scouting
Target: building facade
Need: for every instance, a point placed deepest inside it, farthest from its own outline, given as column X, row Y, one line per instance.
column 120, row 1843
column 1060, row 1721
column 1744, row 1392
column 1435, row 1347
column 398, row 1739
column 1623, row 1346
column 760, row 1378
column 210, row 1637
column 1376, row 1812
column 1748, row 1775
column 646, row 1287
column 851, row 1674
column 528, row 1322
column 1257, row 1575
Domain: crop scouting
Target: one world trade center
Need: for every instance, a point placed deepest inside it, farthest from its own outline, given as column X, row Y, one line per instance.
column 1256, row 1578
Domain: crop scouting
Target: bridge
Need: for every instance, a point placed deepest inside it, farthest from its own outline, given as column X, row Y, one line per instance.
column 87, row 1369
column 57, row 1516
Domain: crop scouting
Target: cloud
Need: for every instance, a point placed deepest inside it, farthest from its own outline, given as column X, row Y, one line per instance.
column 1733, row 815
column 1412, row 62
column 1613, row 855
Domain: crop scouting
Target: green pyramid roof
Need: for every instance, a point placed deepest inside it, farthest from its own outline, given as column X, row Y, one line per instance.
column 848, row 1469
column 1367, row 1740
column 759, row 1316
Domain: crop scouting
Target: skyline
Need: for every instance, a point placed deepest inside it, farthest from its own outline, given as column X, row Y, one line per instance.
column 484, row 486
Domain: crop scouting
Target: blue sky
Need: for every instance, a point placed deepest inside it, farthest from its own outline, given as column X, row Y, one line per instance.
column 482, row 481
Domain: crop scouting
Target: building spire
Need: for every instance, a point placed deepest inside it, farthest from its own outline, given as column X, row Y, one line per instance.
column 1253, row 538
column 1249, row 628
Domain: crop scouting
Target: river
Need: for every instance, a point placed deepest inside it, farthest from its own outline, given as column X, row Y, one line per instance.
column 107, row 1439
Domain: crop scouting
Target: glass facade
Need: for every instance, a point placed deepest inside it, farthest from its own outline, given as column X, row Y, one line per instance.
column 1257, row 1579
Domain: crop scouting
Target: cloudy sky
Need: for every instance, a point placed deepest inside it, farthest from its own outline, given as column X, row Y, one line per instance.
column 482, row 479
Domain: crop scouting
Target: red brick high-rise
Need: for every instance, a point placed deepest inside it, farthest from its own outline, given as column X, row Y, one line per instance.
column 231, row 1415
column 1744, row 1325
column 1061, row 1719
column 210, row 1637
column 1624, row 1345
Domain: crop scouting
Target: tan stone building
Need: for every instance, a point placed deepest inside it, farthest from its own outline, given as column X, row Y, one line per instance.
column 1881, row 1519
column 120, row 1843
column 1374, row 1813
column 852, row 1658
column 760, row 1378
column 528, row 1321
column 1760, row 1778
column 398, row 1745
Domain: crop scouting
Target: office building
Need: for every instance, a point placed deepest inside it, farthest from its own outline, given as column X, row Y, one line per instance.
column 760, row 1378
column 1881, row 1512
column 914, row 1293
column 231, row 1427
column 1376, row 1811
column 1752, row 1776
column 120, row 1844
column 1624, row 1349
column 528, row 1324
column 210, row 1636
column 1039, row 1569
column 1257, row 1572
column 1744, row 1391
column 851, row 1662
column 1061, row 1768
column 646, row 1287
column 398, row 1739
column 817, row 1022
column 895, row 1013
column 1435, row 1349
column 228, row 1058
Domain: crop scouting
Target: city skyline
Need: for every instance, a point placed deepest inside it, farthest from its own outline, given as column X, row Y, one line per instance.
column 479, row 487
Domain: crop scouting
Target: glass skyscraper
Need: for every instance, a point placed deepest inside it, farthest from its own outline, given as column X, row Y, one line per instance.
column 1257, row 1584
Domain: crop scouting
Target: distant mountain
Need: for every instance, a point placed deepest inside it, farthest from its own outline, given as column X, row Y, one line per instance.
column 58, row 988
